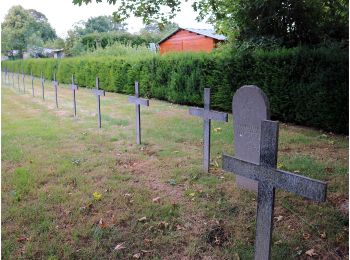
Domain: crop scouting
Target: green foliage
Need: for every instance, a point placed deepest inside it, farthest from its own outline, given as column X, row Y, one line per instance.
column 304, row 86
column 23, row 27
column 291, row 22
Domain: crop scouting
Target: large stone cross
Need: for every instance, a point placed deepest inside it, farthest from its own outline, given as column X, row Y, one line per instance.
column 98, row 92
column 207, row 116
column 42, row 80
column 32, row 79
column 55, row 85
column 269, row 178
column 74, row 88
column 138, row 101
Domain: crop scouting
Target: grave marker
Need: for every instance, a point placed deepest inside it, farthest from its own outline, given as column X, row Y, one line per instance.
column 207, row 116
column 32, row 79
column 269, row 178
column 249, row 106
column 19, row 87
column 74, row 88
column 42, row 80
column 98, row 92
column 55, row 85
column 24, row 84
column 138, row 101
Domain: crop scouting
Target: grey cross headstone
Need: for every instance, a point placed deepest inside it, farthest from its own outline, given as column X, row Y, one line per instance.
column 98, row 92
column 269, row 178
column 55, row 85
column 32, row 79
column 138, row 101
column 24, row 84
column 249, row 106
column 207, row 116
column 42, row 80
column 74, row 88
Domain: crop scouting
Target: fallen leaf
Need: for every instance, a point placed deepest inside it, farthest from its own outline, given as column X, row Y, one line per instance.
column 163, row 225
column 102, row 224
column 306, row 236
column 297, row 171
column 278, row 242
column 310, row 252
column 328, row 169
column 323, row 235
column 97, row 196
column 218, row 129
column 279, row 218
column 120, row 246
column 137, row 256
column 280, row 165
column 143, row 219
column 127, row 195
column 146, row 251
column 21, row 239
column 156, row 199
column 192, row 194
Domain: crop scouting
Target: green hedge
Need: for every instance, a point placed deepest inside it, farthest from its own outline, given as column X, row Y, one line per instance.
column 304, row 86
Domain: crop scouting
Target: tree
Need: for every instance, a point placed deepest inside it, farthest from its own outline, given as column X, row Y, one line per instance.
column 291, row 22
column 22, row 27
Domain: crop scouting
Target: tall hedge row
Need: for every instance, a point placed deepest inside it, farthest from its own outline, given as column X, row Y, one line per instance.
column 304, row 86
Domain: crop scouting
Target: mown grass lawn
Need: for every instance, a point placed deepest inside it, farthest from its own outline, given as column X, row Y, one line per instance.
column 152, row 200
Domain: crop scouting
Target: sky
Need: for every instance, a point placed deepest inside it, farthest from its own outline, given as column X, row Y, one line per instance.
column 63, row 14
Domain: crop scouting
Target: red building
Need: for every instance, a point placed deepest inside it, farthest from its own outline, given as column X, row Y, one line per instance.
column 190, row 40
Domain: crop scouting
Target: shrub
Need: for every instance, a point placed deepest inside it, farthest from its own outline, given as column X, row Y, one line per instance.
column 304, row 86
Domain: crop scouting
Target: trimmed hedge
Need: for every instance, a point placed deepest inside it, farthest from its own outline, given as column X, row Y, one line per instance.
column 304, row 86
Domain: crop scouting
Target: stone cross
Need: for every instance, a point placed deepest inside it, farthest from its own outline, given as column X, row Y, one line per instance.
column 55, row 85
column 249, row 106
column 74, row 88
column 207, row 116
column 269, row 178
column 32, row 79
column 13, row 79
column 138, row 101
column 42, row 85
column 98, row 92
column 24, row 84
column 19, row 87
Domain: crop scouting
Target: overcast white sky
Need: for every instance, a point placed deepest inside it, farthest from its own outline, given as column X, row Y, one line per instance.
column 62, row 14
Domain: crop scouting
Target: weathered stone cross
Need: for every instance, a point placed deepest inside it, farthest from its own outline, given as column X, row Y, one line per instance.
column 98, row 92
column 269, row 178
column 19, row 87
column 74, row 88
column 138, row 101
column 24, row 84
column 55, row 85
column 207, row 116
column 32, row 79
column 13, row 79
column 42, row 85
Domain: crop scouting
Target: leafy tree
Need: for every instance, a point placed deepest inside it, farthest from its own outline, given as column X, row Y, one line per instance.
column 22, row 27
column 289, row 22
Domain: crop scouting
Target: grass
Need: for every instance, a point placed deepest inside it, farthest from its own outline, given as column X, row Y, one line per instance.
column 52, row 163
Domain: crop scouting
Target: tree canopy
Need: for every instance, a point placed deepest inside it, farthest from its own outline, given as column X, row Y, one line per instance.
column 23, row 27
column 289, row 22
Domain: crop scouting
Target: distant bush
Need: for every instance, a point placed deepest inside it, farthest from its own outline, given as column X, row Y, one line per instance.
column 304, row 86
column 121, row 50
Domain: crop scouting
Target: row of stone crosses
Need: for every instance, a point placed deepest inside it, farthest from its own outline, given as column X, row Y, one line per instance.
column 256, row 147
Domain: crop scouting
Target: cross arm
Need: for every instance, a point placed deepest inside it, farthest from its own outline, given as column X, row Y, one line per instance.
column 99, row 92
column 297, row 184
column 138, row 101
column 214, row 115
